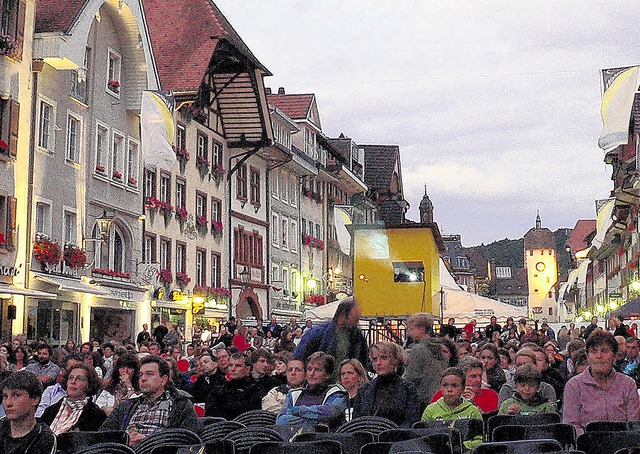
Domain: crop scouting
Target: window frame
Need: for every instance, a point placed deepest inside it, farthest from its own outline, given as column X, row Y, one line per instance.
column 106, row 152
column 254, row 186
column 181, row 261
column 216, row 271
column 50, row 146
column 136, row 165
column 73, row 118
column 153, row 238
column 117, row 163
column 165, row 262
column 201, row 266
column 116, row 77
column 241, row 182
column 181, row 194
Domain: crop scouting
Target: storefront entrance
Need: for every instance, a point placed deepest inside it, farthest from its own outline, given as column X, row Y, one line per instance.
column 54, row 321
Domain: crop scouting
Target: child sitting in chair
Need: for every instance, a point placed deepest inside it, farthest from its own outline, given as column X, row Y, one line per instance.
column 526, row 400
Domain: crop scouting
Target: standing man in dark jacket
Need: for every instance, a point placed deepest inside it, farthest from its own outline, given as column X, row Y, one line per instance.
column 159, row 332
column 237, row 395
column 492, row 327
column 160, row 406
column 339, row 338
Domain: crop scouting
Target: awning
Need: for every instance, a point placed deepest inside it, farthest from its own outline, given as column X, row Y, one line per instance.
column 286, row 313
column 71, row 284
column 6, row 289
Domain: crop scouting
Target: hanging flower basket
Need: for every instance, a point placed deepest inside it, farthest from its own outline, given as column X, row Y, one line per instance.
column 100, row 168
column 216, row 228
column 74, row 257
column 203, row 166
column 165, row 276
column 193, row 112
column 181, row 214
column 202, row 224
column 111, row 273
column 47, row 251
column 183, row 279
column 218, row 173
column 133, row 182
column 117, row 175
column 167, row 212
column 183, row 157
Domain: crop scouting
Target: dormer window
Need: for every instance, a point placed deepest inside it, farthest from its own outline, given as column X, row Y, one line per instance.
column 114, row 73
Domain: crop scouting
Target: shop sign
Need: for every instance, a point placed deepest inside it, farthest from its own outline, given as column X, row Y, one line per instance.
column 483, row 312
column 121, row 294
column 127, row 305
column 9, row 270
column 536, row 309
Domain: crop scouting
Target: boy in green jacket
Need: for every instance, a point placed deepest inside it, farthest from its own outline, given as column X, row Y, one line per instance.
column 526, row 400
column 452, row 405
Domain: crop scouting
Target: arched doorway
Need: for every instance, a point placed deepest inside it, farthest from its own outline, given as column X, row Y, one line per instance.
column 248, row 305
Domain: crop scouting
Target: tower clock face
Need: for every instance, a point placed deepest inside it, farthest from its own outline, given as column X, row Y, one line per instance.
column 540, row 266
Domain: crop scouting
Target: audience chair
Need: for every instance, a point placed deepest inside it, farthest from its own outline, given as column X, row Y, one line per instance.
column 605, row 442
column 257, row 418
column 519, row 447
column 468, row 428
column 218, row 430
column 520, row 420
column 303, row 447
column 220, row 447
column 635, row 450
column 565, row 434
column 373, row 424
column 106, row 448
column 75, row 441
column 607, row 426
column 168, row 438
column 378, row 447
column 440, row 441
column 351, row 443
column 249, row 436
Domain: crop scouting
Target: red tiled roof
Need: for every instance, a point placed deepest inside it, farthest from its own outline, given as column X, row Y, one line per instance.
column 184, row 34
column 577, row 240
column 56, row 15
column 295, row 106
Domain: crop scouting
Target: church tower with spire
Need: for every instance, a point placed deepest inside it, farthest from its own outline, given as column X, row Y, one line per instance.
column 541, row 264
column 426, row 208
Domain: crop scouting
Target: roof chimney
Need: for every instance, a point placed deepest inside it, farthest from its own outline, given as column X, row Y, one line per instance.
column 281, row 91
column 267, row 90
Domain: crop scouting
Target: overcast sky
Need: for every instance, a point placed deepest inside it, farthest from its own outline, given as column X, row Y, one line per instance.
column 495, row 104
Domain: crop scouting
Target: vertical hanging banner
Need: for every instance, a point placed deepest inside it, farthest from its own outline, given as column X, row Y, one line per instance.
column 158, row 131
column 619, row 88
column 341, row 219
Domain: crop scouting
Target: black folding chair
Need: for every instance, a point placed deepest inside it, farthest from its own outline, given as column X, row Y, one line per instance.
column 607, row 426
column 373, row 424
column 468, row 428
column 167, row 440
column 377, row 447
column 74, row 441
column 565, row 434
column 520, row 420
column 443, row 435
column 245, row 438
column 256, row 418
column 106, row 448
column 519, row 447
column 304, row 447
column 220, row 447
column 218, row 430
column 604, row 442
column 628, row 451
column 351, row 443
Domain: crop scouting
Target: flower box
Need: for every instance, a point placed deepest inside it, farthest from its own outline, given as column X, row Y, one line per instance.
column 183, row 279
column 133, row 181
column 117, row 175
column 8, row 46
column 216, row 227
column 165, row 276
column 218, row 171
column 46, row 250
column 114, row 86
column 202, row 163
column 74, row 257
column 111, row 273
column 181, row 154
column 181, row 214
column 201, row 220
column 100, row 168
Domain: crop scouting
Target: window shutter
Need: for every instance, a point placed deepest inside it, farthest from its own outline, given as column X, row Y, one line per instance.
column 11, row 239
column 14, row 127
column 22, row 11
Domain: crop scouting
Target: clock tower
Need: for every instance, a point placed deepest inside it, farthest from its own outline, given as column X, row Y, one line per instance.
column 541, row 264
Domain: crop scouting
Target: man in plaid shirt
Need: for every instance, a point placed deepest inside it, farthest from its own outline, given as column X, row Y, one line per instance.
column 159, row 407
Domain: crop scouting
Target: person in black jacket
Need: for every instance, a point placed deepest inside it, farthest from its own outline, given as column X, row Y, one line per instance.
column 76, row 411
column 209, row 377
column 237, row 395
column 450, row 329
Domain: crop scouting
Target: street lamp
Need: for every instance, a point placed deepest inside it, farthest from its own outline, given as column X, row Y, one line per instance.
column 104, row 225
column 311, row 283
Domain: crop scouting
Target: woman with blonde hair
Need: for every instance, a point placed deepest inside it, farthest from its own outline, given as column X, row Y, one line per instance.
column 388, row 395
column 352, row 375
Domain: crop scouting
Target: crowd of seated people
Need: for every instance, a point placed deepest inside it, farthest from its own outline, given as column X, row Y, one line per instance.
column 142, row 388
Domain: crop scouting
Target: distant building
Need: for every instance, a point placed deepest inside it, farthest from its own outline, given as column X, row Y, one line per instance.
column 383, row 177
column 542, row 271
column 458, row 260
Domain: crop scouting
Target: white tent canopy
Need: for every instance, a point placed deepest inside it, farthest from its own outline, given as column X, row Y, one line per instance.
column 322, row 313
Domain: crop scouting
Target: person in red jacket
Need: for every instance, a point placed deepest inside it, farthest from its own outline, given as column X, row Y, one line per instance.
column 240, row 339
column 485, row 399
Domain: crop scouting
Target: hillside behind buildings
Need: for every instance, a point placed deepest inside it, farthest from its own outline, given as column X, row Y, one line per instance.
column 510, row 253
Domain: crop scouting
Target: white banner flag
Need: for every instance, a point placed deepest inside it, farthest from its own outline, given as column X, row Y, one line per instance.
column 156, row 118
column 341, row 219
column 619, row 88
